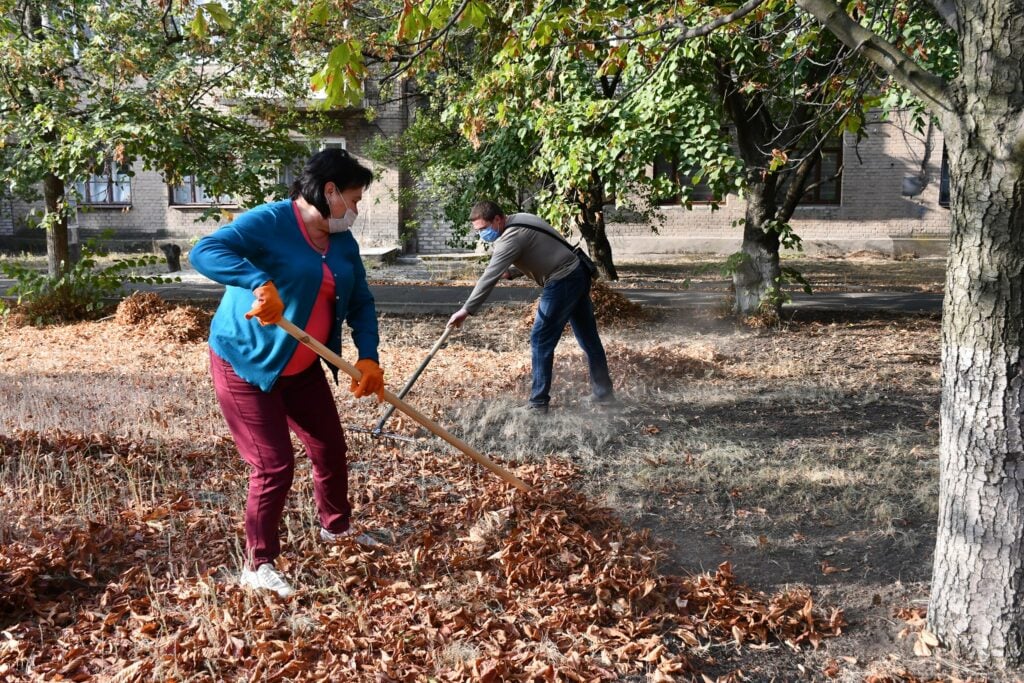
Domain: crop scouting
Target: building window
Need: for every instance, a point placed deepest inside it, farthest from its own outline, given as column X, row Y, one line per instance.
column 826, row 178
column 110, row 186
column 191, row 192
column 667, row 169
column 944, row 180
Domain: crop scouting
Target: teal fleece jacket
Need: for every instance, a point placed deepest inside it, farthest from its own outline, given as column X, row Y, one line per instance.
column 264, row 244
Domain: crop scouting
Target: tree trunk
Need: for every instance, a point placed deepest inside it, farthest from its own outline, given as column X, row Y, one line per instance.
column 756, row 277
column 56, row 222
column 977, row 596
column 589, row 220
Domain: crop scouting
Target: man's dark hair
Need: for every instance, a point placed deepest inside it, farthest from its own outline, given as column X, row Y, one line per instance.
column 486, row 210
column 331, row 165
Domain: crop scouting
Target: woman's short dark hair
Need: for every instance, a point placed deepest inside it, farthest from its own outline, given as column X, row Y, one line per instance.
column 331, row 165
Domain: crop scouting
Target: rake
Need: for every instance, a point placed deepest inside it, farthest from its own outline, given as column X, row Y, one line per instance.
column 350, row 370
column 378, row 431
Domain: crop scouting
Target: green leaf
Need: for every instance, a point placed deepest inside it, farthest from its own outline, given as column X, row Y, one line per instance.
column 852, row 123
column 411, row 23
column 339, row 57
column 475, row 14
column 219, row 15
column 439, row 15
column 318, row 12
column 198, row 26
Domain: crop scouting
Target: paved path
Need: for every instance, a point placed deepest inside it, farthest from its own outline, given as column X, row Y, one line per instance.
column 406, row 298
column 399, row 298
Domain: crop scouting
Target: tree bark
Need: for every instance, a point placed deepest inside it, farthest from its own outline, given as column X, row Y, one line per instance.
column 977, row 595
column 57, row 253
column 757, row 275
column 589, row 220
column 758, row 272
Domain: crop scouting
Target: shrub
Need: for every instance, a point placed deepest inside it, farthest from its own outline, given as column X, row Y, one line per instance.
column 83, row 292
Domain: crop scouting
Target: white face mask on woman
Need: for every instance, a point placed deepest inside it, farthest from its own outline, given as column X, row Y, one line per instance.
column 344, row 223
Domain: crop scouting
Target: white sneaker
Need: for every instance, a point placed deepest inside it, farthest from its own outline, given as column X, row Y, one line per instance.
column 361, row 539
column 266, row 578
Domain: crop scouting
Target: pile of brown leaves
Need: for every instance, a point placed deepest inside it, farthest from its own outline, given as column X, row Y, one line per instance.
column 149, row 313
column 479, row 582
column 40, row 569
column 611, row 309
column 139, row 308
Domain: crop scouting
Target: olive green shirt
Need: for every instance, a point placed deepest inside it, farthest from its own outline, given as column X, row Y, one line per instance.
column 544, row 257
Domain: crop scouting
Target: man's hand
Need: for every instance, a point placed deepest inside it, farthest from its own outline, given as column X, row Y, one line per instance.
column 458, row 318
column 268, row 307
column 371, row 380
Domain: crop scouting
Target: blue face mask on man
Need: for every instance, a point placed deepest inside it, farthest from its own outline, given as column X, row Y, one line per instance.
column 489, row 234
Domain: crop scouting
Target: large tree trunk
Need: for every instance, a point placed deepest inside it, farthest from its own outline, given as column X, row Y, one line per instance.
column 756, row 277
column 589, row 220
column 977, row 596
column 57, row 254
column 977, row 599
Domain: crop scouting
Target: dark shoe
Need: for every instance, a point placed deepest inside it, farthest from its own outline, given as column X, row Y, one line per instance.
column 534, row 408
column 602, row 402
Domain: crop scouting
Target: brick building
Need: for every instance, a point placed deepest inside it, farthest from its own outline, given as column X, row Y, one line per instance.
column 863, row 209
column 873, row 205
column 143, row 210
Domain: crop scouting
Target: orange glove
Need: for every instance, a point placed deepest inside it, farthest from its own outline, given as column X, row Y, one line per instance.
column 268, row 306
column 370, row 382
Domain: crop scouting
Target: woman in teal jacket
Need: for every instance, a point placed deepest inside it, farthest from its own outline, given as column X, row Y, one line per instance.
column 295, row 258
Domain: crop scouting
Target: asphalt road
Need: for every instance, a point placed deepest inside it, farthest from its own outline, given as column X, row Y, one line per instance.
column 402, row 298
column 405, row 298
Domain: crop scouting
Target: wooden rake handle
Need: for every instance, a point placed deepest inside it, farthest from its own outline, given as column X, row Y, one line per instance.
column 394, row 400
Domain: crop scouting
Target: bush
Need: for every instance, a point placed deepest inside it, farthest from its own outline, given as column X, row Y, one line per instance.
column 83, row 292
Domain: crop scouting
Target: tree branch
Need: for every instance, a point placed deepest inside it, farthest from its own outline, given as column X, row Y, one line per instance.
column 712, row 26
column 946, row 10
column 922, row 83
column 405, row 62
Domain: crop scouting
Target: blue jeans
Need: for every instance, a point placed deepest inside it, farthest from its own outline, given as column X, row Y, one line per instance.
column 567, row 301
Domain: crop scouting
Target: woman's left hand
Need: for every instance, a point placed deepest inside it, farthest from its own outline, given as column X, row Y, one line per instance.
column 371, row 380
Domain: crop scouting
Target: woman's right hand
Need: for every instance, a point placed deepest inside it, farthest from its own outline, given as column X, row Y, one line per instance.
column 268, row 307
column 371, row 380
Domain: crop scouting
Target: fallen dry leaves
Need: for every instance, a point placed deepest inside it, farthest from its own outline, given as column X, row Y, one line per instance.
column 148, row 313
column 480, row 582
column 119, row 555
column 611, row 309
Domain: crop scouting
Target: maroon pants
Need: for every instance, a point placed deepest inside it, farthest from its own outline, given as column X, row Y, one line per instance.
column 259, row 422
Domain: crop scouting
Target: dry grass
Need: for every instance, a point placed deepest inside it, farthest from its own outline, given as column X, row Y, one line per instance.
column 804, row 455
column 863, row 272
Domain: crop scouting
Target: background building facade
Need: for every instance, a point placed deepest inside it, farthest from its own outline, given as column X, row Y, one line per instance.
column 886, row 193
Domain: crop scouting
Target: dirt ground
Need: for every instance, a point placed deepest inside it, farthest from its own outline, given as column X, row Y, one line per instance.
column 803, row 456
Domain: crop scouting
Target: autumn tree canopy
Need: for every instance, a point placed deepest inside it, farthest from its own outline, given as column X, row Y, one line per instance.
column 90, row 87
